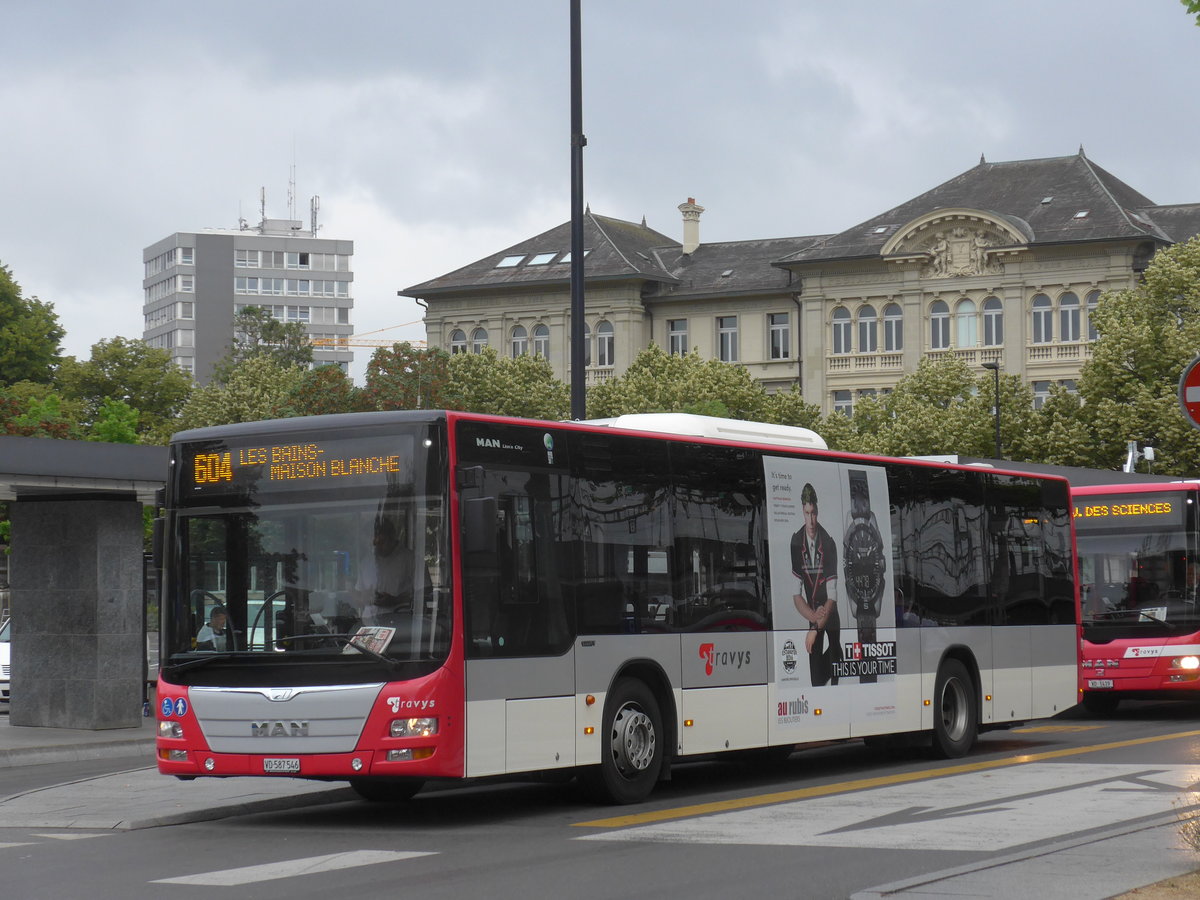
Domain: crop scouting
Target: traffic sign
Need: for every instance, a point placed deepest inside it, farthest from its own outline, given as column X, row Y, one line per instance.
column 1189, row 392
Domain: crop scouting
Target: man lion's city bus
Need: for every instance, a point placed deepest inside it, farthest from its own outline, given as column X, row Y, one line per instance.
column 1138, row 568
column 415, row 596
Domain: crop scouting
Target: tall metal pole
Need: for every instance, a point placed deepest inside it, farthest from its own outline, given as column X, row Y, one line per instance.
column 995, row 367
column 578, row 142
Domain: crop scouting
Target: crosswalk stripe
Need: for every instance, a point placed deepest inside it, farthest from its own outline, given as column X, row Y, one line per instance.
column 75, row 837
column 290, row 868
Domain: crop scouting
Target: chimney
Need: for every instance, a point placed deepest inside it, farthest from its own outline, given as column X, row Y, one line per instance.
column 691, row 224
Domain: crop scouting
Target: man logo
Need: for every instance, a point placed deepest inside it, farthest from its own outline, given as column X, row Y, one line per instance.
column 278, row 729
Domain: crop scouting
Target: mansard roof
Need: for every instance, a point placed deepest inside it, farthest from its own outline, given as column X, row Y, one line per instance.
column 1061, row 199
column 731, row 267
column 1180, row 222
column 614, row 249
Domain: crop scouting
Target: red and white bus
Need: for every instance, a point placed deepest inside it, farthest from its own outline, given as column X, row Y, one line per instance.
column 439, row 595
column 1138, row 562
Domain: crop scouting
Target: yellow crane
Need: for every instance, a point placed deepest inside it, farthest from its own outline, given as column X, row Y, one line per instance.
column 361, row 340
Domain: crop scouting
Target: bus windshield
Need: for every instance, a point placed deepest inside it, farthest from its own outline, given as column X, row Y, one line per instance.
column 347, row 558
column 1138, row 583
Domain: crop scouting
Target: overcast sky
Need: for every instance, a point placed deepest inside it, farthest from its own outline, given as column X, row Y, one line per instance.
column 438, row 133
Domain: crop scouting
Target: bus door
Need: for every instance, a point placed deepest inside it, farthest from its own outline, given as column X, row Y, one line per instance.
column 518, row 619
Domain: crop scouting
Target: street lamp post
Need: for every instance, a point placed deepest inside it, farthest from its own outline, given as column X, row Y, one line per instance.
column 995, row 367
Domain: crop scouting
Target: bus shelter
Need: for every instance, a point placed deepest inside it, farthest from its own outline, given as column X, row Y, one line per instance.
column 76, row 579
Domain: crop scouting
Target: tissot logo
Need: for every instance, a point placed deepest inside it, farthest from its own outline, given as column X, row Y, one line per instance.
column 487, row 442
column 279, row 729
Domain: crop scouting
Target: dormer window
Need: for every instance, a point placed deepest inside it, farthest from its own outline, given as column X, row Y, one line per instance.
column 541, row 259
column 510, row 261
column 1082, row 214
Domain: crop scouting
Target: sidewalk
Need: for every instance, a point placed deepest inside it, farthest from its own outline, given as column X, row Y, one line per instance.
column 140, row 798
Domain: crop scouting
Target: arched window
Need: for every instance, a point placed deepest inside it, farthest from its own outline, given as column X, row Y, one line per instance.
column 993, row 322
column 587, row 344
column 1043, row 320
column 868, row 330
column 1068, row 317
column 893, row 328
column 541, row 341
column 520, row 341
column 841, row 330
column 966, row 324
column 458, row 341
column 605, row 346
column 1093, row 300
column 479, row 339
column 939, row 326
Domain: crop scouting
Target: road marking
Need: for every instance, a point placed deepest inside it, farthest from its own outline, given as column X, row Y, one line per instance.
column 5, row 846
column 844, row 787
column 291, row 868
column 971, row 812
column 1056, row 729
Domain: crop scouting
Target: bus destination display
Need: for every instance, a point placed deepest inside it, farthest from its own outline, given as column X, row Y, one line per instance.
column 1129, row 510
column 213, row 467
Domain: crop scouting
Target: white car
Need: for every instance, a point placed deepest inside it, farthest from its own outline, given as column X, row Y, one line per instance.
column 5, row 660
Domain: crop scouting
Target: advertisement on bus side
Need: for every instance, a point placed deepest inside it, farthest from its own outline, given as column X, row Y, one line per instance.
column 829, row 529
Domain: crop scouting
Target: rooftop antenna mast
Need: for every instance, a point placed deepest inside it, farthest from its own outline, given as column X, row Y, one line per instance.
column 262, row 208
column 313, row 205
column 292, row 189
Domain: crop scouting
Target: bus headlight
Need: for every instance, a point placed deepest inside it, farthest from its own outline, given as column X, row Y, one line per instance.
column 414, row 727
column 170, row 730
column 1190, row 663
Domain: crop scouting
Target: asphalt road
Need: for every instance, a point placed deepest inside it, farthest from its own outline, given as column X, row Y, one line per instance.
column 1071, row 807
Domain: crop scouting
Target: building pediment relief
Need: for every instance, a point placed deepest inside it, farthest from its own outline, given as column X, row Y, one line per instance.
column 955, row 243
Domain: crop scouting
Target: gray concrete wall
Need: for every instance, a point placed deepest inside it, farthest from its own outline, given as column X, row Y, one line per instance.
column 76, row 575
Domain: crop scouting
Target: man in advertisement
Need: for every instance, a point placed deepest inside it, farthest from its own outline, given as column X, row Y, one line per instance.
column 815, row 565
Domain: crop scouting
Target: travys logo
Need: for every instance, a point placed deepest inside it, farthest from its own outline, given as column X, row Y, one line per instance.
column 714, row 658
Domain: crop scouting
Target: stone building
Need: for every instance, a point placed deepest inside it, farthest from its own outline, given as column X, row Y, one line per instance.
column 1002, row 264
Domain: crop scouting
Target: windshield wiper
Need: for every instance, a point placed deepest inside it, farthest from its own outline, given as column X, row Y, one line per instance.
column 200, row 661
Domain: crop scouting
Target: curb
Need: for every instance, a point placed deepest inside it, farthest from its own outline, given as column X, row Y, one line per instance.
column 36, row 756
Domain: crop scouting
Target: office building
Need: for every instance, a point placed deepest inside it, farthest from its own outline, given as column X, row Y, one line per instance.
column 196, row 281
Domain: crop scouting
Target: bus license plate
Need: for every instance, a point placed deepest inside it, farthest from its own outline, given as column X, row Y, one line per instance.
column 281, row 766
column 1094, row 683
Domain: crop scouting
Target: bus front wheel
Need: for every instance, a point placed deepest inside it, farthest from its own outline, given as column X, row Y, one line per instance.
column 631, row 745
column 954, row 714
column 386, row 790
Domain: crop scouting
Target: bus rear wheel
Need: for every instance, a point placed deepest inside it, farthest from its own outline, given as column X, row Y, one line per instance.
column 386, row 790
column 955, row 717
column 632, row 745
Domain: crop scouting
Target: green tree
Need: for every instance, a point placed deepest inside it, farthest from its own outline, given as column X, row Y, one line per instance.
column 1148, row 335
column 660, row 382
column 1193, row 8
column 321, row 391
column 257, row 388
column 116, row 423
column 141, row 376
column 30, row 335
column 486, row 382
column 30, row 410
column 406, row 377
column 258, row 333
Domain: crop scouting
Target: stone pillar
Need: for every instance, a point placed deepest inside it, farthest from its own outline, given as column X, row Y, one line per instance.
column 77, row 613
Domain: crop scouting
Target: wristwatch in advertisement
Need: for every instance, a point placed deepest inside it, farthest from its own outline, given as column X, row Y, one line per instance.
column 864, row 560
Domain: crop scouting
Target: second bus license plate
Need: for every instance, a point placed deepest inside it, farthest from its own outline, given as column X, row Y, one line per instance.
column 281, row 766
column 1100, row 682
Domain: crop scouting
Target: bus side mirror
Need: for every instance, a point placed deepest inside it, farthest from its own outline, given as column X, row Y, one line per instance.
column 479, row 525
column 157, row 538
